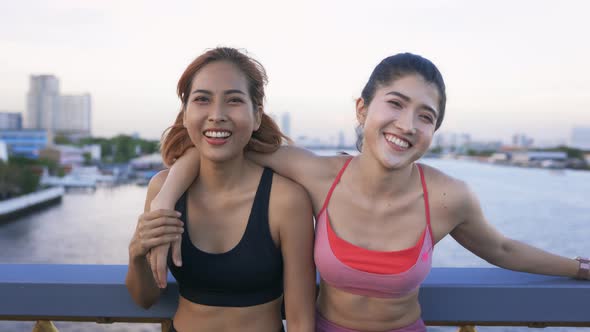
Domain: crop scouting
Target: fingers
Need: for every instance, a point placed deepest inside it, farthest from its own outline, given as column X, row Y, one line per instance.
column 149, row 244
column 161, row 231
column 160, row 213
column 150, row 224
column 161, row 268
column 152, row 261
column 151, row 233
column 176, row 252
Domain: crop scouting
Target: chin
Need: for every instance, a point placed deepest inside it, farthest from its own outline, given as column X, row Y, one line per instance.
column 219, row 156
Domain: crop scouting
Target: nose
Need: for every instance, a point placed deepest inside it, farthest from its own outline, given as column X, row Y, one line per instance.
column 405, row 122
column 217, row 113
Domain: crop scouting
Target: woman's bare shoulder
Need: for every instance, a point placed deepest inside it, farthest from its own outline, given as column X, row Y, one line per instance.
column 286, row 192
column 454, row 193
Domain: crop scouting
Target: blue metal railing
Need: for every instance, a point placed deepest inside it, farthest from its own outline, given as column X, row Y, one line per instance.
column 449, row 296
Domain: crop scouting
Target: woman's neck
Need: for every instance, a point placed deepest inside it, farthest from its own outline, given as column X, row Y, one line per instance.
column 373, row 180
column 222, row 176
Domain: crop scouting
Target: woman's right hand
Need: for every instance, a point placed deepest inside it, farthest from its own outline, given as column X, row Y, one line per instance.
column 155, row 228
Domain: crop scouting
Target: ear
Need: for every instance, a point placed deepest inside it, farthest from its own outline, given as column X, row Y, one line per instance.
column 258, row 117
column 184, row 117
column 361, row 111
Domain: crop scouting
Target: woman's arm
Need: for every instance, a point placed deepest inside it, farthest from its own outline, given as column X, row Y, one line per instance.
column 180, row 176
column 153, row 229
column 477, row 235
column 291, row 206
column 298, row 164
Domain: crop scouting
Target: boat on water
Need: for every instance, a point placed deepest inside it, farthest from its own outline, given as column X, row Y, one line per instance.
column 79, row 177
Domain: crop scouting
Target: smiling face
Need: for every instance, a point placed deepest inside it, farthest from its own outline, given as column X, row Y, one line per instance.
column 399, row 123
column 219, row 115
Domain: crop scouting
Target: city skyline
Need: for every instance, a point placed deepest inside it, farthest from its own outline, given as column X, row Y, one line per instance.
column 526, row 75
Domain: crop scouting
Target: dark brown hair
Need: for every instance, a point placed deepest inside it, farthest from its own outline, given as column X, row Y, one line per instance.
column 396, row 67
column 268, row 137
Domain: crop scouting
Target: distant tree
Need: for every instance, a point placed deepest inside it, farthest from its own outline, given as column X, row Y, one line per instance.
column 19, row 176
column 121, row 148
column 62, row 139
column 437, row 149
column 87, row 158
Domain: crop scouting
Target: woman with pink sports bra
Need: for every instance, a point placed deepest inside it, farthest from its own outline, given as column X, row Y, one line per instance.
column 379, row 214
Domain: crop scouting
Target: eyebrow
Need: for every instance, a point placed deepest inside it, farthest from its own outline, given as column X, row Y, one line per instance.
column 407, row 99
column 226, row 92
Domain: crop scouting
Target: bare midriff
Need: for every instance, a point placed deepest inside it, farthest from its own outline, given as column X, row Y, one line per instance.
column 365, row 313
column 197, row 317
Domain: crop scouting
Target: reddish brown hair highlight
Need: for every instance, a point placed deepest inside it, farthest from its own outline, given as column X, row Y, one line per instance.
column 268, row 138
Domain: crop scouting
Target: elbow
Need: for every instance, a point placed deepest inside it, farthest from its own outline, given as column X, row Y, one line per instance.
column 145, row 304
column 143, row 301
column 501, row 256
column 140, row 297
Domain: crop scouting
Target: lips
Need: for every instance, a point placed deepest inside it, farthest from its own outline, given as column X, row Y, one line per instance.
column 217, row 136
column 398, row 142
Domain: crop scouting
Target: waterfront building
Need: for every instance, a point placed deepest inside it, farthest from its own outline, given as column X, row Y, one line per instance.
column 11, row 121
column 25, row 142
column 538, row 158
column 68, row 155
column 74, row 114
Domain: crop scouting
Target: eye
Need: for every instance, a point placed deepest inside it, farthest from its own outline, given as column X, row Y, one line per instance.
column 201, row 99
column 395, row 103
column 235, row 100
column 428, row 118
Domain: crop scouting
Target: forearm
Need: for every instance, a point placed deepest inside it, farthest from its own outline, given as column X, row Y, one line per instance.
column 140, row 283
column 302, row 323
column 519, row 256
column 180, row 176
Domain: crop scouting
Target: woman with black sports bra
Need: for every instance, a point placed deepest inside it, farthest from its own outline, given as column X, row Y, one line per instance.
column 247, row 234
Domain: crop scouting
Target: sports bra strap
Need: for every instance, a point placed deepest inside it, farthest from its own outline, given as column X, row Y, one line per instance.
column 259, row 212
column 426, row 203
column 336, row 180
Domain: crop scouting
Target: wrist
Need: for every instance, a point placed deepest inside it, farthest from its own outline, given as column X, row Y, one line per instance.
column 136, row 255
column 583, row 268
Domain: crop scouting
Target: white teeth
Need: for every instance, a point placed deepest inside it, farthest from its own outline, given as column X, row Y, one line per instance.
column 217, row 134
column 399, row 142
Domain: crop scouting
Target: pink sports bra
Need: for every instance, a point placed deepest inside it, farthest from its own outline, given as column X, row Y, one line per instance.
column 368, row 272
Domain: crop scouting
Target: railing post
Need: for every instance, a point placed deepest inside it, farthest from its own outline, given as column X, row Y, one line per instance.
column 467, row 328
column 167, row 325
column 44, row 326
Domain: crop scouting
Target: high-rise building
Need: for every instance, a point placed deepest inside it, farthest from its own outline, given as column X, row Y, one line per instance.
column 581, row 138
column 11, row 120
column 522, row 141
column 42, row 102
column 58, row 114
column 73, row 116
column 286, row 124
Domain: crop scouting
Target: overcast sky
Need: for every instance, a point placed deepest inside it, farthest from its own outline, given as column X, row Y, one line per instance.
column 509, row 66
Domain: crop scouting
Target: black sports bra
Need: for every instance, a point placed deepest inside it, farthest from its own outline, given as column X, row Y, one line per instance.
column 249, row 274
